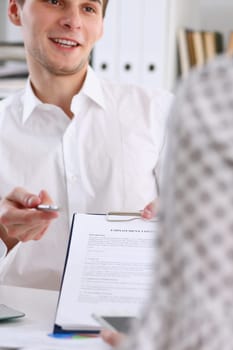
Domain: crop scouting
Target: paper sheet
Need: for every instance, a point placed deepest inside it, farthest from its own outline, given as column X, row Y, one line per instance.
column 108, row 270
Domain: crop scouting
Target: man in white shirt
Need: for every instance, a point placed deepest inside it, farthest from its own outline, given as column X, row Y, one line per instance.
column 92, row 145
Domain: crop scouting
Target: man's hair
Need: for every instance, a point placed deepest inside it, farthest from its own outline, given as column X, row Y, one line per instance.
column 105, row 3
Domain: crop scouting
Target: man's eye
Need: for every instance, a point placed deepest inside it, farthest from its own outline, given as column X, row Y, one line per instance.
column 89, row 9
column 54, row 2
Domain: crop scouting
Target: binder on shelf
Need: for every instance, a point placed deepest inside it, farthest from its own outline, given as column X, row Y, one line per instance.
column 213, row 44
column 131, row 39
column 106, row 51
column 198, row 45
column 9, row 86
column 230, row 44
column 195, row 48
column 155, row 38
column 13, row 67
column 12, row 51
column 183, row 51
column 107, row 270
column 191, row 49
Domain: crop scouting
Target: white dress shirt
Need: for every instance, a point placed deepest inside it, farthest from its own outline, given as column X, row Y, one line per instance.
column 3, row 250
column 104, row 159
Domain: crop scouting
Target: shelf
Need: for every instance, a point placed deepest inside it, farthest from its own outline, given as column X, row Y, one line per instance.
column 8, row 86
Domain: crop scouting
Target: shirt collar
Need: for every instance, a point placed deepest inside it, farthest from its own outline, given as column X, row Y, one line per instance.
column 29, row 100
column 91, row 88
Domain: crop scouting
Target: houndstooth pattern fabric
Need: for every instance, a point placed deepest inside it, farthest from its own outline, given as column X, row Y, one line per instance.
column 191, row 304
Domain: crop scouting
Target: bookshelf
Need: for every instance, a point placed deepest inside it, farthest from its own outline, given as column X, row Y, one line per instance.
column 199, row 15
column 3, row 5
column 12, row 61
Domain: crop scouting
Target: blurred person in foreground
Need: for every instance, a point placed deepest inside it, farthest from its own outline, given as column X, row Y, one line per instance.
column 191, row 303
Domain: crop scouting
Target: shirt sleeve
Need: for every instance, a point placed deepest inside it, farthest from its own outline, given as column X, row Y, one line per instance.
column 6, row 259
column 3, row 250
column 191, row 301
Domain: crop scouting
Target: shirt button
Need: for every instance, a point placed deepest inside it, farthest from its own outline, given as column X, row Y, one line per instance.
column 74, row 178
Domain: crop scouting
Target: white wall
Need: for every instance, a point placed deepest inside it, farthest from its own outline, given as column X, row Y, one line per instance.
column 8, row 31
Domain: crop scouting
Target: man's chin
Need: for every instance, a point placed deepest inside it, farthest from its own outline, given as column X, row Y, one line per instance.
column 67, row 69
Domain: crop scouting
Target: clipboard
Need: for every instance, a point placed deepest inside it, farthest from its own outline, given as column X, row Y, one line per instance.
column 107, row 247
column 119, row 216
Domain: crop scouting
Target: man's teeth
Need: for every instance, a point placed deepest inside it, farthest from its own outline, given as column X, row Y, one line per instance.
column 66, row 42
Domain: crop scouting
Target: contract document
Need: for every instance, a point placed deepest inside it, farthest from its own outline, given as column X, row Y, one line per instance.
column 108, row 270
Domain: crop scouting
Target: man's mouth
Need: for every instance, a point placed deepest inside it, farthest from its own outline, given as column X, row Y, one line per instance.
column 66, row 43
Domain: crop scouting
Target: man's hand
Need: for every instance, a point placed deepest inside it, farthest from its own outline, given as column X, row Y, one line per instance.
column 19, row 219
column 112, row 338
column 150, row 211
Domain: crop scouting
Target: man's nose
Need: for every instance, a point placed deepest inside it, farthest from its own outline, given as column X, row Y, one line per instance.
column 71, row 19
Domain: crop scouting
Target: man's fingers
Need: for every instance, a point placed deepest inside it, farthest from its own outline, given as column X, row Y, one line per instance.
column 41, row 234
column 19, row 218
column 112, row 338
column 150, row 211
column 33, row 235
column 45, row 197
column 34, row 232
column 22, row 197
column 25, row 216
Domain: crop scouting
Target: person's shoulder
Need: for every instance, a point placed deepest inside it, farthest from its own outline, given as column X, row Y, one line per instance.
column 219, row 67
column 208, row 77
column 204, row 94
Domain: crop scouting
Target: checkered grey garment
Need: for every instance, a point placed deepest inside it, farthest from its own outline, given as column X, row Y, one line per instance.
column 191, row 306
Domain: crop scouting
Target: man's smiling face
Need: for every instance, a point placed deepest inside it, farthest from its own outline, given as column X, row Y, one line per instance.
column 59, row 35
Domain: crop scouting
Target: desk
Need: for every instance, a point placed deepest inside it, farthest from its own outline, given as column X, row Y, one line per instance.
column 39, row 305
column 31, row 331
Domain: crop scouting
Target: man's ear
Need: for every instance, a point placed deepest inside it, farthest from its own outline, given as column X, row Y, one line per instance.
column 14, row 12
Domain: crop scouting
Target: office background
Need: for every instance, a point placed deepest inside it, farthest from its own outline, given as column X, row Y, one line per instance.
column 140, row 41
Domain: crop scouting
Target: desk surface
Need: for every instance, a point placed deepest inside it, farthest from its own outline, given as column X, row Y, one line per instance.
column 39, row 305
column 31, row 331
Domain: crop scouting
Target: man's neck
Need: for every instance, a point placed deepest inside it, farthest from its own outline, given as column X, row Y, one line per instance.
column 58, row 90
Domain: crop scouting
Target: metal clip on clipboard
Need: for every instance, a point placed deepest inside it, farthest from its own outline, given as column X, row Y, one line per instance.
column 118, row 216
